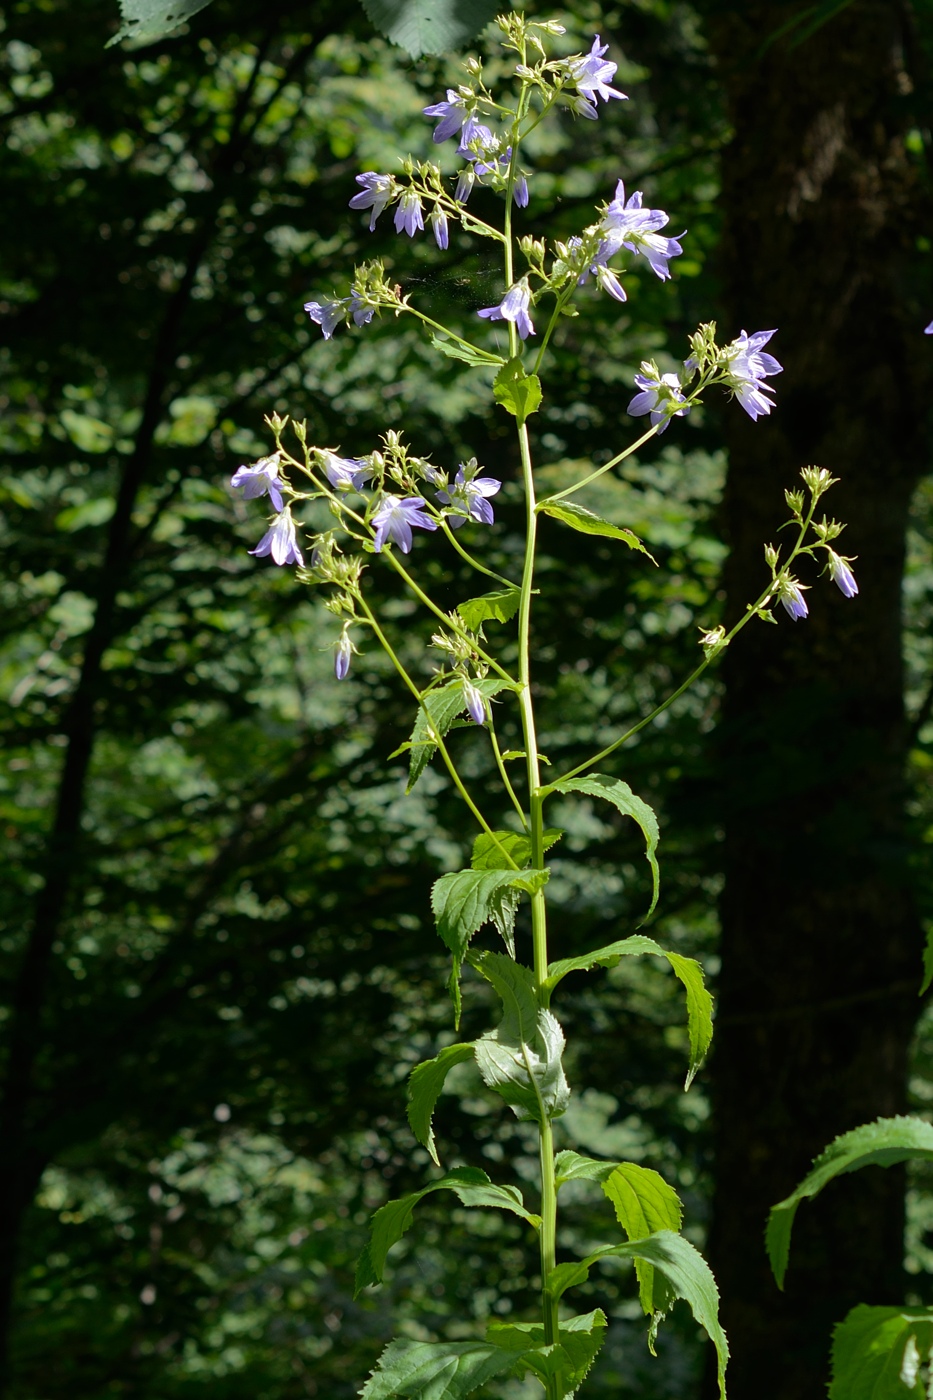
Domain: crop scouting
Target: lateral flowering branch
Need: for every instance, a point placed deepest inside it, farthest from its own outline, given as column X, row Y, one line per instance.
column 384, row 506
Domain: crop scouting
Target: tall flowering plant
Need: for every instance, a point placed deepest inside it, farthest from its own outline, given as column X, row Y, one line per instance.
column 380, row 502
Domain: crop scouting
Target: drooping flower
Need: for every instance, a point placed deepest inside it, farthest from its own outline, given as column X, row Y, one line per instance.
column 465, row 182
column 328, row 314
column 791, row 596
column 929, row 329
column 360, row 310
column 841, row 575
column 627, row 224
column 591, row 73
column 280, row 541
column 748, row 365
column 395, row 518
column 408, row 214
column 438, row 222
column 476, row 139
column 342, row 655
column 376, row 192
column 474, row 702
column 452, row 114
column 345, row 473
column 660, row 395
column 609, row 282
column 520, row 192
column 513, row 307
column 261, row 477
column 468, row 496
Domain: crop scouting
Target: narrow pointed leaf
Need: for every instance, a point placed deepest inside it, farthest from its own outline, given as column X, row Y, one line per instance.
column 469, row 354
column 571, row 1166
column 624, row 800
column 882, row 1143
column 500, row 606
column 644, row 1203
column 388, row 1225
column 521, row 1058
column 688, row 970
column 876, row 1353
column 424, row 1086
column 588, row 523
column 685, row 1271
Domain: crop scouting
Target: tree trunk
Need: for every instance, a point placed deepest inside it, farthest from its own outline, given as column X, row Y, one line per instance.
column 820, row 941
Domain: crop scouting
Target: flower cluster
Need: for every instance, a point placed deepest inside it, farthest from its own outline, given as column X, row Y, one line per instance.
column 787, row 589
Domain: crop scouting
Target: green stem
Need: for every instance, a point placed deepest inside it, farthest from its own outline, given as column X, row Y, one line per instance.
column 503, row 771
column 601, row 471
column 451, row 767
column 474, row 563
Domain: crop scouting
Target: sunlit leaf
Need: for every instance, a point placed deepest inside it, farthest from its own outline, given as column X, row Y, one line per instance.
column 424, row 1086
column 522, row 1058
column 644, row 1203
column 877, row 1352
column 147, row 20
column 624, row 800
column 519, row 393
column 432, row 26
column 499, row 606
column 588, row 523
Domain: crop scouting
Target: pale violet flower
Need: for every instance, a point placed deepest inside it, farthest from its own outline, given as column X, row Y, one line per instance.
column 748, row 364
column 345, row 649
column 627, row 224
column 345, row 473
column 468, row 496
column 408, row 214
column 438, row 222
column 841, row 575
column 476, row 139
column 452, row 114
column 376, row 192
column 280, row 541
column 520, row 192
column 608, row 281
column 328, row 314
column 791, row 596
column 591, row 73
column 465, row 182
column 660, row 395
column 362, row 313
column 513, row 307
column 474, row 702
column 261, row 477
column 929, row 329
column 394, row 520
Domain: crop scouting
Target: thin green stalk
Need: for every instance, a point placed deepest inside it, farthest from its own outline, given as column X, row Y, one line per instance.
column 451, row 767
column 503, row 771
column 601, row 471
column 474, row 563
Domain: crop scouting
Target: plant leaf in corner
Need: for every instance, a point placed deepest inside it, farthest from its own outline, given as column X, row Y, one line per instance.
column 589, row 523
column 519, row 393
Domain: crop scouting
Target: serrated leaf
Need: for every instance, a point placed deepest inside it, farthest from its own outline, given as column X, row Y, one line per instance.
column 644, row 1203
column 424, row 1086
column 589, row 523
column 431, row 26
column 566, row 1361
column 685, row 1271
column 472, row 1186
column 464, row 901
column 487, row 855
column 624, row 800
column 519, row 393
column 498, row 606
column 521, row 1058
column 571, row 1166
column 883, row 1143
column 147, row 20
column 435, row 1370
column 469, row 354
column 688, row 970
column 875, row 1353
column 443, row 705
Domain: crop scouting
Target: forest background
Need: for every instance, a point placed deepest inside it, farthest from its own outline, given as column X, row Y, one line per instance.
column 214, row 928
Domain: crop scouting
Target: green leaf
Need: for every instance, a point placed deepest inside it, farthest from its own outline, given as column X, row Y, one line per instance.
column 877, row 1352
column 882, row 1144
column 699, row 1001
column 424, row 1086
column 487, row 855
column 571, row 1166
column 435, row 1370
column 147, row 20
column 685, row 1271
column 644, row 1204
column 621, row 796
column 521, row 1058
column 519, row 393
column 469, row 354
column 464, row 901
column 499, row 606
column 431, row 26
column 567, row 1360
column 588, row 523
column 443, row 705
column 388, row 1225
column 87, row 433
